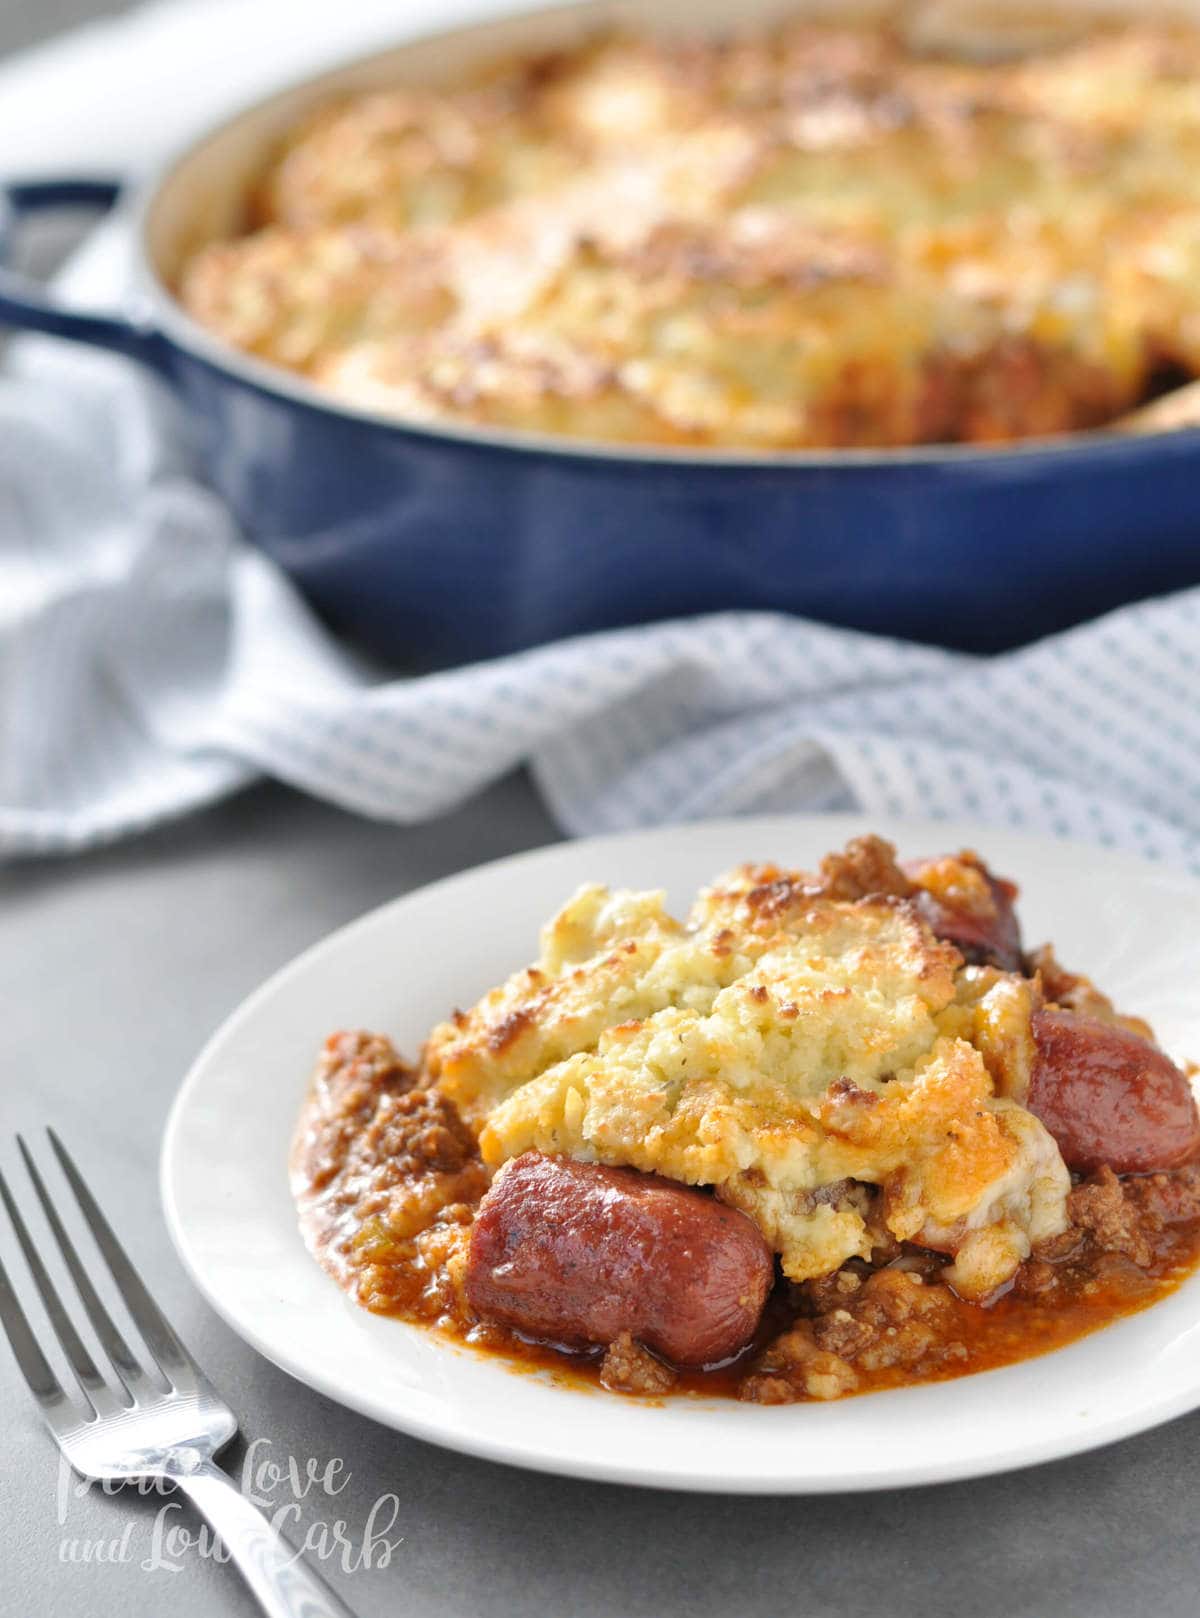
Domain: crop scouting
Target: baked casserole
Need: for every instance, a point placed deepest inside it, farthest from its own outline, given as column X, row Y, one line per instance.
column 833, row 1132
column 816, row 235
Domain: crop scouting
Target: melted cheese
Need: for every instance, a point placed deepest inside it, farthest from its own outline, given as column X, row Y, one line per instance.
column 815, row 235
column 778, row 1047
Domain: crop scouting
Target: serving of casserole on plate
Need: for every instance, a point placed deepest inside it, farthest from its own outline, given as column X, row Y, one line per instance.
column 837, row 1132
column 808, row 233
column 956, row 1152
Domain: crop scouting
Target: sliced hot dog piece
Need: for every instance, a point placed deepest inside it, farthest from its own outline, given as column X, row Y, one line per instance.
column 577, row 1253
column 964, row 904
column 1109, row 1097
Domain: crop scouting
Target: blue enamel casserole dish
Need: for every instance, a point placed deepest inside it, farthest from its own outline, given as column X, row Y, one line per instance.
column 434, row 546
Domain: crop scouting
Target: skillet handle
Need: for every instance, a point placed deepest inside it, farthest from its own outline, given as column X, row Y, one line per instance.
column 26, row 306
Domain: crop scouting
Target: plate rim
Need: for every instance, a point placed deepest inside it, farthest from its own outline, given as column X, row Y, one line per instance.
column 480, row 1444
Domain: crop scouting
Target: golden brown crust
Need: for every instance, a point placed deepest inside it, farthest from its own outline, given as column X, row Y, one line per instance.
column 815, row 235
column 785, row 1047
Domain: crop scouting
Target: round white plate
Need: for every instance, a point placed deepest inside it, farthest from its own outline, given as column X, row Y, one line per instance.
column 1135, row 927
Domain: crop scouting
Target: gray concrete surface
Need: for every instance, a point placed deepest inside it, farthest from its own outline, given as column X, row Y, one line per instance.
column 29, row 22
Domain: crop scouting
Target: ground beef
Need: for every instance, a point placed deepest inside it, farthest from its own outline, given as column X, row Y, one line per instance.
column 355, row 1070
column 1115, row 1224
column 892, row 1317
column 1035, row 1279
column 893, row 1297
column 416, row 1134
column 1171, row 1199
column 831, row 1292
column 414, row 1160
column 908, row 1317
column 840, row 1333
column 368, row 1109
column 865, row 867
column 764, row 1388
column 356, row 1055
column 795, row 1366
column 1056, row 1248
column 386, row 1175
column 629, row 1368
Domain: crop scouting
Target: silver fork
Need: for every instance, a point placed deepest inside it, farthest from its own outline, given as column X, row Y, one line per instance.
column 128, row 1428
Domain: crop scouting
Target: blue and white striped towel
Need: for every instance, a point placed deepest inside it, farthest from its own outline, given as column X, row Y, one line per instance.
column 150, row 662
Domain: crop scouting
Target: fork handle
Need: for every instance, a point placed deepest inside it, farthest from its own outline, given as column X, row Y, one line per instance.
column 286, row 1586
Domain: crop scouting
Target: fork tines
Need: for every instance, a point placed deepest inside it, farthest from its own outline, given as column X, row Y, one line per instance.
column 167, row 1354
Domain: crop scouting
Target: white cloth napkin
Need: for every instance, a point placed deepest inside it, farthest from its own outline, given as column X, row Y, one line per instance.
column 151, row 661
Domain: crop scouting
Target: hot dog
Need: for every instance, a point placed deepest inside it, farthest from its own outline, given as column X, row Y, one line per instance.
column 977, row 916
column 1108, row 1096
column 577, row 1253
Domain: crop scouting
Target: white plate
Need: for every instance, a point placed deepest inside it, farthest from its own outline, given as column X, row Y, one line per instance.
column 1135, row 927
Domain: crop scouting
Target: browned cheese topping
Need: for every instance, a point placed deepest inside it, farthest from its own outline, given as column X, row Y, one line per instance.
column 820, row 235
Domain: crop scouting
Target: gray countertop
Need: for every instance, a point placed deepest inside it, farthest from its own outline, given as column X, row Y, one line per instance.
column 114, row 967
